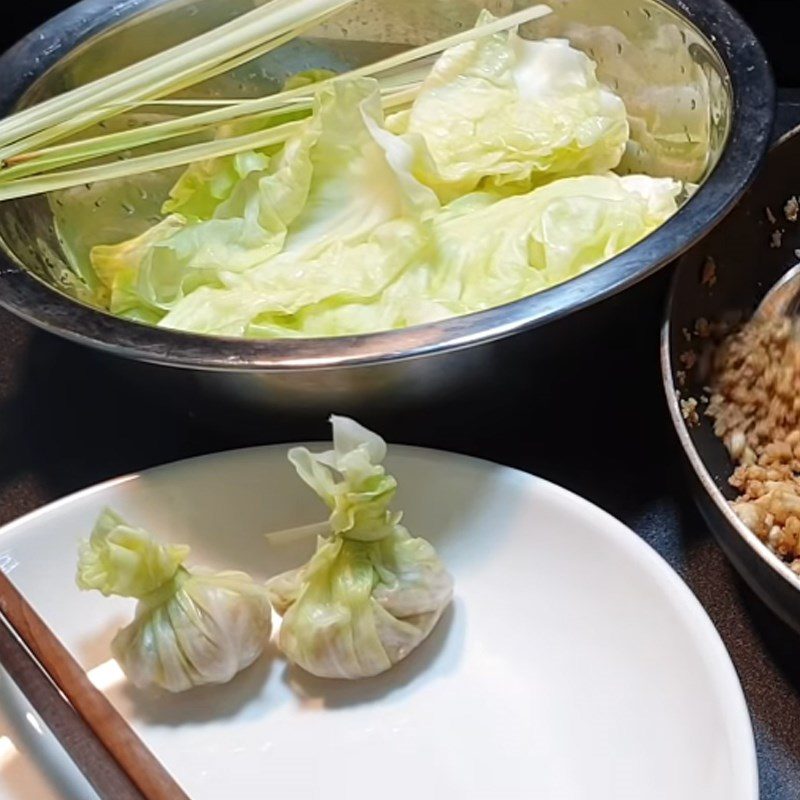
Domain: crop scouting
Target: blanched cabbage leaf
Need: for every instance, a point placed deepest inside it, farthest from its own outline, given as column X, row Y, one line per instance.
column 206, row 184
column 480, row 251
column 371, row 593
column 191, row 627
column 126, row 561
column 306, row 77
column 670, row 94
column 498, row 251
column 310, row 227
column 504, row 110
column 465, row 200
column 248, row 224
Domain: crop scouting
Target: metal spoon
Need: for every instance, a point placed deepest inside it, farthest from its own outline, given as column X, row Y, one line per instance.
column 783, row 299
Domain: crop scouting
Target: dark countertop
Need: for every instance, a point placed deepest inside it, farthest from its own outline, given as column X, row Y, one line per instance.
column 595, row 422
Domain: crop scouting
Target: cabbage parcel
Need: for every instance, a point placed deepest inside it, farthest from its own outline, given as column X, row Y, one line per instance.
column 494, row 181
column 371, row 593
column 191, row 627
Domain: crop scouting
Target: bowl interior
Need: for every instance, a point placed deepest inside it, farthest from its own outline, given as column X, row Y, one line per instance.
column 674, row 84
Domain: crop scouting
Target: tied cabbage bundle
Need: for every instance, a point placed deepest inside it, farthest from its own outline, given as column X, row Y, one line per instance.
column 191, row 627
column 371, row 592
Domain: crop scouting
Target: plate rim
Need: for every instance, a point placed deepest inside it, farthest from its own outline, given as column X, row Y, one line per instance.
column 735, row 710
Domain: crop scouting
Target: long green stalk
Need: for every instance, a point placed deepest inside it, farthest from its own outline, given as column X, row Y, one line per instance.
column 109, row 144
column 136, row 166
column 169, row 71
column 213, row 46
column 30, row 120
column 180, row 156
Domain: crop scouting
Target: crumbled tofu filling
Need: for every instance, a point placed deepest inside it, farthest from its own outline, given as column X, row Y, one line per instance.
column 755, row 407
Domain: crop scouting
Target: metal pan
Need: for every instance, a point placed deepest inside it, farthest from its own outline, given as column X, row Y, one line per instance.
column 748, row 259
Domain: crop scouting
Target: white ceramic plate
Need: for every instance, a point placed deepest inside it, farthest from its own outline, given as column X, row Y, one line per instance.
column 573, row 663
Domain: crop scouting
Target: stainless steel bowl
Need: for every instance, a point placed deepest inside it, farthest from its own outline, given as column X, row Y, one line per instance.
column 747, row 265
column 694, row 78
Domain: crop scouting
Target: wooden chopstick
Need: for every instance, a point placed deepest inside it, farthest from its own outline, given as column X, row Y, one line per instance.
column 98, row 739
column 83, row 747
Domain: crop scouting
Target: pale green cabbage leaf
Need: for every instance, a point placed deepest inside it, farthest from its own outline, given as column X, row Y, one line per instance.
column 322, row 222
column 248, row 225
column 480, row 251
column 191, row 627
column 350, row 227
column 126, row 561
column 371, row 593
column 497, row 251
column 502, row 110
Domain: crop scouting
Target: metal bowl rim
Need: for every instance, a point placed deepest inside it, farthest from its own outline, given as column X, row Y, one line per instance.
column 30, row 298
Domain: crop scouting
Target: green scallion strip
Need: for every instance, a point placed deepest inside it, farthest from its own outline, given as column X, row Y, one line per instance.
column 174, row 69
column 108, row 144
column 122, row 169
column 88, row 149
column 177, row 157
column 22, row 178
